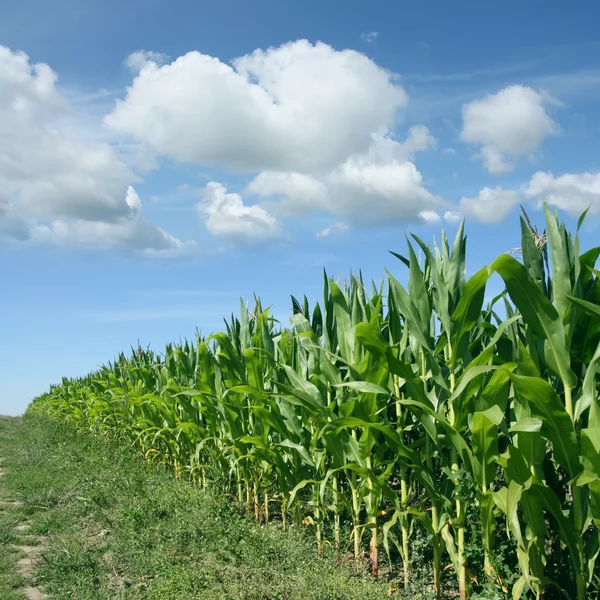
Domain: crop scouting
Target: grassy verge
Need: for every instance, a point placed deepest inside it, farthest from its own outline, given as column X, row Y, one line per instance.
column 117, row 528
column 10, row 580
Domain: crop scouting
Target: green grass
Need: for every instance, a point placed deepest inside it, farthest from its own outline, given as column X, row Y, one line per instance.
column 10, row 580
column 119, row 528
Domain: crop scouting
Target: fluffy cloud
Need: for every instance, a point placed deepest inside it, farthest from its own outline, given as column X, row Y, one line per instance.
column 380, row 186
column 508, row 124
column 490, row 205
column 225, row 215
column 298, row 192
column 313, row 124
column 135, row 234
column 298, row 107
column 53, row 185
column 137, row 60
column 452, row 216
column 430, row 217
column 571, row 192
column 371, row 193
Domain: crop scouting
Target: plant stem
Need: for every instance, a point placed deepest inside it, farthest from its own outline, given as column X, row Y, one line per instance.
column 266, row 506
column 373, row 522
column 405, row 551
column 318, row 519
column 355, row 522
column 403, row 492
column 239, row 486
column 460, row 530
column 284, row 501
column 336, row 513
column 256, row 501
column 578, row 511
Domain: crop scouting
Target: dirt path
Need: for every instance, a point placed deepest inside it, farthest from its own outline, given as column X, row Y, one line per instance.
column 30, row 547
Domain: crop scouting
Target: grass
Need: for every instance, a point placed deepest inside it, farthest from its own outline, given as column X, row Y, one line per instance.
column 10, row 580
column 118, row 528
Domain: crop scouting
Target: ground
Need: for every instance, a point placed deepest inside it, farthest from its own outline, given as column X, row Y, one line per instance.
column 86, row 519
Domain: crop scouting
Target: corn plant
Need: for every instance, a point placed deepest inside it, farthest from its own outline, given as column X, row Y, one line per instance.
column 374, row 408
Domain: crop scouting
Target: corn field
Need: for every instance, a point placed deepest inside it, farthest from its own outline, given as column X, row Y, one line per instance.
column 388, row 410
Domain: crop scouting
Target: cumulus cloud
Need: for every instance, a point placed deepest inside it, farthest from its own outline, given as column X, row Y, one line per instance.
column 312, row 124
column 137, row 60
column 135, row 234
column 507, row 125
column 359, row 192
column 490, row 205
column 379, row 186
column 430, row 217
column 571, row 192
column 50, row 181
column 370, row 193
column 225, row 215
column 298, row 192
column 419, row 139
column 298, row 107
column 452, row 216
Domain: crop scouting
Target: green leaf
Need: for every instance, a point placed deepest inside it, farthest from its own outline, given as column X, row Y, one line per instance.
column 538, row 313
column 485, row 446
column 417, row 328
column 532, row 257
column 343, row 322
column 557, row 426
column 593, row 310
column 301, row 450
column 364, row 387
column 417, row 288
column 469, row 307
column 527, row 424
column 561, row 269
column 588, row 397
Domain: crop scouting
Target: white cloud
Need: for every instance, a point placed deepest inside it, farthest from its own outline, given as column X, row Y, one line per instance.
column 452, row 216
column 135, row 234
column 299, row 192
column 449, row 151
column 299, row 107
column 337, row 228
column 490, row 205
column 370, row 37
column 313, row 124
column 369, row 193
column 430, row 217
column 495, row 161
column 359, row 192
column 379, row 186
column 508, row 124
column 571, row 192
column 225, row 215
column 139, row 59
column 419, row 139
column 133, row 200
column 54, row 184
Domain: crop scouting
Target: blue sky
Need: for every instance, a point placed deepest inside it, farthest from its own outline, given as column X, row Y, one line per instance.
column 158, row 162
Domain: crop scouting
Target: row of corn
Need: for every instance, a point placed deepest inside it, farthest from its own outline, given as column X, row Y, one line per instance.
column 392, row 411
